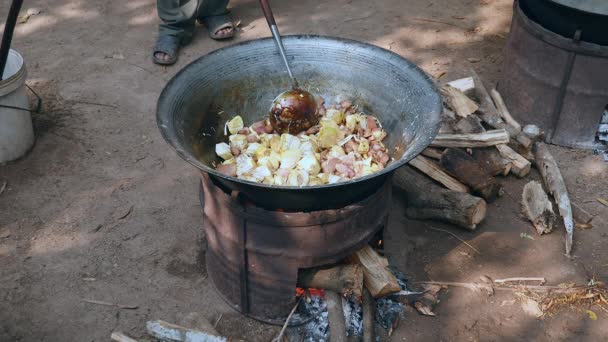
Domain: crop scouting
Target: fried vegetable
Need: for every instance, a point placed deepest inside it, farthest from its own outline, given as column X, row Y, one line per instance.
column 310, row 164
column 235, row 125
column 329, row 134
column 238, row 141
column 251, row 149
column 223, row 151
column 290, row 158
column 244, row 164
column 261, row 172
column 363, row 146
column 334, row 115
column 289, row 142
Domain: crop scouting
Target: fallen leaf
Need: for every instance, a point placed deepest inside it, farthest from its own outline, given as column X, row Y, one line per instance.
column 423, row 309
column 603, row 201
column 531, row 307
column 592, row 315
column 583, row 225
column 526, row 236
column 4, row 233
column 474, row 60
column 22, row 19
column 127, row 213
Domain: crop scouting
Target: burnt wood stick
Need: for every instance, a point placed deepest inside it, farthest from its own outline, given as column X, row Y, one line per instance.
column 491, row 159
column 432, row 153
column 470, row 124
column 377, row 277
column 426, row 200
column 335, row 316
column 537, row 208
column 547, row 166
column 345, row 279
column 369, row 313
column 431, row 169
column 463, row 167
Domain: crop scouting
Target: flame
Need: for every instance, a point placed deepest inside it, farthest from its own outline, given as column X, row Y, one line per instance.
column 311, row 292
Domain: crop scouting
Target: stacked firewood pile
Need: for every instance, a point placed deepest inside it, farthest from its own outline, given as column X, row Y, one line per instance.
column 478, row 142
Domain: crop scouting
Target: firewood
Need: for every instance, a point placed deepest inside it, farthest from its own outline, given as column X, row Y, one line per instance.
column 426, row 200
column 377, row 277
column 434, row 171
column 369, row 314
column 463, row 167
column 547, row 166
column 432, row 153
column 465, row 85
column 491, row 160
column 537, row 207
column 345, row 279
column 172, row 332
column 520, row 166
column 118, row 336
column 335, row 316
column 461, row 104
column 484, row 139
column 490, row 115
column 470, row 124
column 502, row 109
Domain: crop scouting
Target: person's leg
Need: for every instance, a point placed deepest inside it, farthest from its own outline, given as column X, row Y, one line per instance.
column 178, row 19
column 215, row 15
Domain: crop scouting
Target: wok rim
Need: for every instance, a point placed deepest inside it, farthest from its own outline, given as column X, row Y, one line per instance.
column 392, row 166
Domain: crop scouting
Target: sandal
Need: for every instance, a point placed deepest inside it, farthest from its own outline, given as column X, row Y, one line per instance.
column 215, row 23
column 168, row 45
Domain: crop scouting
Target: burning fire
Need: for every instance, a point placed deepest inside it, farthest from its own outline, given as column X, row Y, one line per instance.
column 300, row 291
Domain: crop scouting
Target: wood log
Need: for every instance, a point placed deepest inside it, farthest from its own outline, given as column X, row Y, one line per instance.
column 520, row 166
column 463, row 167
column 173, row 332
column 369, row 314
column 470, row 124
column 465, row 85
column 537, row 207
column 432, row 153
column 335, row 316
column 118, row 336
column 484, row 139
column 461, row 104
column 491, row 160
column 502, row 109
column 345, row 279
column 547, row 166
column 433, row 170
column 379, row 280
column 426, row 200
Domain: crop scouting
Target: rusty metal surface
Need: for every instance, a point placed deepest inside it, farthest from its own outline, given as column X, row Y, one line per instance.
column 253, row 255
column 555, row 82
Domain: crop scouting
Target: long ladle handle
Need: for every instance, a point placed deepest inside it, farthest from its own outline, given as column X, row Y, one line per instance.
column 277, row 38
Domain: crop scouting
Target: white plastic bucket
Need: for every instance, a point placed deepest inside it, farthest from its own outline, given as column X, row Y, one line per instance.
column 16, row 131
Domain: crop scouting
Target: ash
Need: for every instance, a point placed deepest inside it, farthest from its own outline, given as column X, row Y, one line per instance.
column 388, row 310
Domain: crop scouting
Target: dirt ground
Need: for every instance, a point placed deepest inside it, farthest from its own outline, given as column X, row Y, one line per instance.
column 102, row 209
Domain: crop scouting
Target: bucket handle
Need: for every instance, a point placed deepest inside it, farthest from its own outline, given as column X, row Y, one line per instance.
column 35, row 110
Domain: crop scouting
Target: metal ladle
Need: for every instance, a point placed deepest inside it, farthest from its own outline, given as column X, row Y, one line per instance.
column 295, row 110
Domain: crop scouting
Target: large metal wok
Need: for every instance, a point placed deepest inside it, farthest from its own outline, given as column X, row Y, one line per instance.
column 244, row 79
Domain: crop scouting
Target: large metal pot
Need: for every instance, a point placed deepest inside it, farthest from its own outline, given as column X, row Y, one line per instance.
column 244, row 79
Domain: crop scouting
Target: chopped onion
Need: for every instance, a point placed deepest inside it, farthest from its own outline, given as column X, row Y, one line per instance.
column 235, row 125
column 223, row 151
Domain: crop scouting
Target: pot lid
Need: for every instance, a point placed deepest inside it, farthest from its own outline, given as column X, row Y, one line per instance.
column 590, row 6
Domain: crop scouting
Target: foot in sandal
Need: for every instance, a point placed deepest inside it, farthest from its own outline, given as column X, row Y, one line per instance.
column 219, row 26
